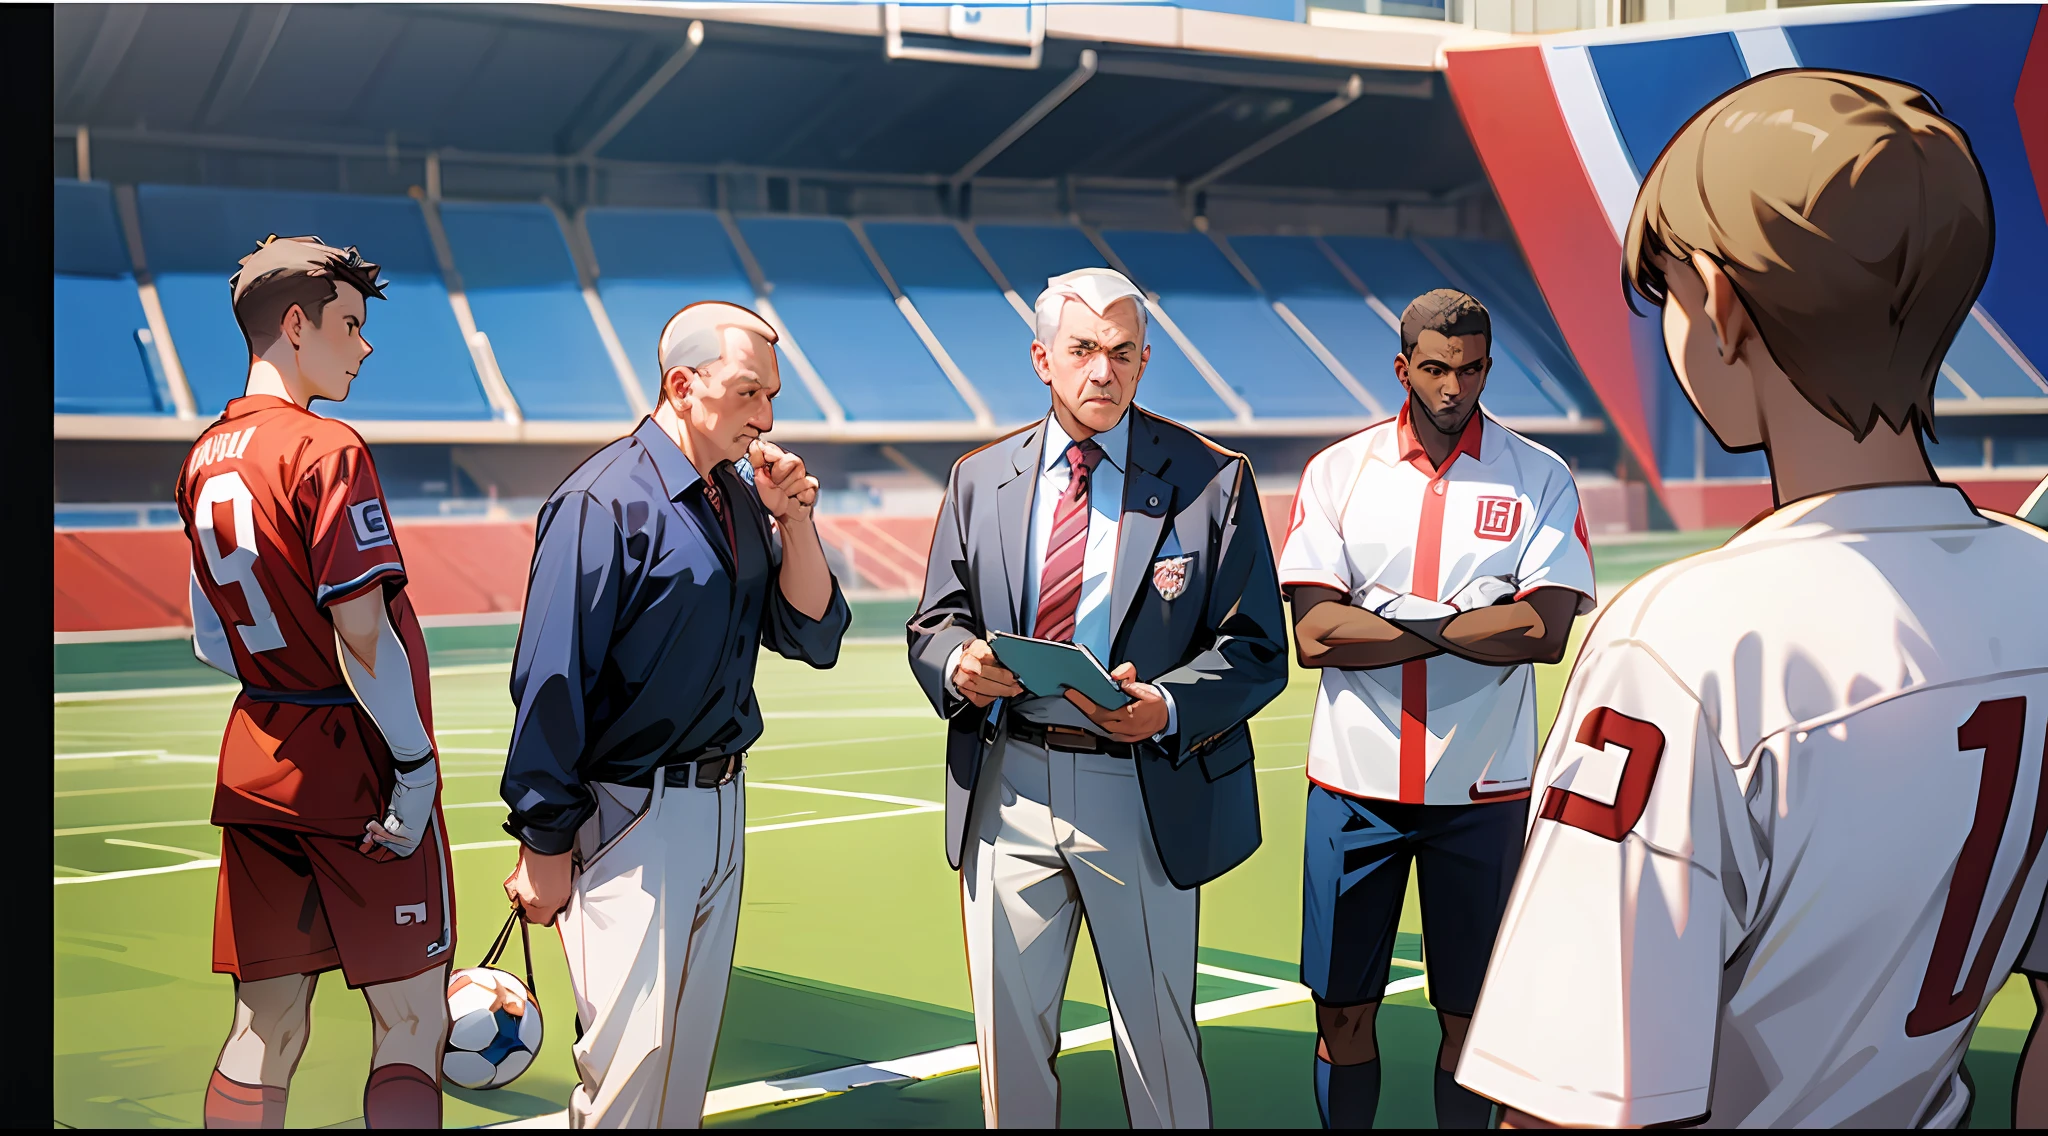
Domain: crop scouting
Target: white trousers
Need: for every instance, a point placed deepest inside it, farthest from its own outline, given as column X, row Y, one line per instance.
column 649, row 932
column 1057, row 836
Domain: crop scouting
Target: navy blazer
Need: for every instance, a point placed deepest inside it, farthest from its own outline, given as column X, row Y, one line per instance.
column 1219, row 646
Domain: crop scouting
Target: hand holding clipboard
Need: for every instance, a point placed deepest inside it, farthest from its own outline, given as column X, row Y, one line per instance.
column 1048, row 669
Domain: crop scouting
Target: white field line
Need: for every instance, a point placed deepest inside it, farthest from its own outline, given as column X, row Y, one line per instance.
column 64, row 696
column 192, row 852
column 913, row 807
column 962, row 1058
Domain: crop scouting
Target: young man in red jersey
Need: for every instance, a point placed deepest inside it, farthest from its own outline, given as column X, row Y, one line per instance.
column 333, row 853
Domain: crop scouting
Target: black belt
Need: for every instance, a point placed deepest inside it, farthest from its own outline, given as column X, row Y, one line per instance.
column 703, row 773
column 1065, row 738
column 332, row 696
column 706, row 768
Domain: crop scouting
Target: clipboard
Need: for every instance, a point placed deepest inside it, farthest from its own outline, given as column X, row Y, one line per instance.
column 1046, row 668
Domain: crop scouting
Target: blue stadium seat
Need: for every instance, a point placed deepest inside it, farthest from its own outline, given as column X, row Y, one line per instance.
column 1029, row 255
column 1296, row 273
column 1397, row 272
column 522, row 287
column 653, row 262
column 195, row 236
column 101, row 365
column 965, row 309
column 1233, row 326
column 842, row 314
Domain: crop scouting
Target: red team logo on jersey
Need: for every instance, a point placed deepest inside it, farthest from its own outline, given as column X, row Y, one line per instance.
column 1499, row 517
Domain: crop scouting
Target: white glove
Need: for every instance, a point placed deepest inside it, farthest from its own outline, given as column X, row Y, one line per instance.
column 412, row 808
column 1400, row 606
column 1483, row 592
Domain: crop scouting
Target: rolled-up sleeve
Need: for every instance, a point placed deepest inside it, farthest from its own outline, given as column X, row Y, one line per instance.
column 572, row 601
column 792, row 634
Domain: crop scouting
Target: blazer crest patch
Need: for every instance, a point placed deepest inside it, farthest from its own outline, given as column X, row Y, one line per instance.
column 1170, row 576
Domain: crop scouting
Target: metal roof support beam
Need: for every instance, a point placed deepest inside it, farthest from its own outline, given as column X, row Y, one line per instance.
column 930, row 339
column 1045, row 106
column 1353, row 88
column 692, row 40
column 261, row 26
column 103, row 60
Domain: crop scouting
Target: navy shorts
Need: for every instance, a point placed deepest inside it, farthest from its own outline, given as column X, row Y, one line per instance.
column 1355, row 876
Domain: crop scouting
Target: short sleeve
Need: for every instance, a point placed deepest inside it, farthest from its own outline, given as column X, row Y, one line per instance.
column 1313, row 553
column 1558, row 554
column 349, row 544
column 1602, row 1003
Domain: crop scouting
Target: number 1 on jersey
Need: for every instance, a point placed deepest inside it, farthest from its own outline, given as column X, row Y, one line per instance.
column 236, row 568
column 1996, row 727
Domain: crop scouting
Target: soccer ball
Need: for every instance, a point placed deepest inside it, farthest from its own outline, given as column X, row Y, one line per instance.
column 494, row 1029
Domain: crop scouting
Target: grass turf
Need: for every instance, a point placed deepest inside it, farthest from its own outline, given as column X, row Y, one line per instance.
column 849, row 945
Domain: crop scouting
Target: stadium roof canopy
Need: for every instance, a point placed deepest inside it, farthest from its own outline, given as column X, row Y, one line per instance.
column 1152, row 93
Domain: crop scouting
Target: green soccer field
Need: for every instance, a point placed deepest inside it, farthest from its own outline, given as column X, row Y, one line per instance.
column 849, row 946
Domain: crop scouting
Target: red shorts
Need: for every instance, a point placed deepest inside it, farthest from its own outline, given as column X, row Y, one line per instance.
column 295, row 903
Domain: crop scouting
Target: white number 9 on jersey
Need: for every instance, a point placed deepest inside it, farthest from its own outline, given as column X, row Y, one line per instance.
column 239, row 566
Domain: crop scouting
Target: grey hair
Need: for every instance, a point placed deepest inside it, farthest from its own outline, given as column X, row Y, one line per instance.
column 1052, row 301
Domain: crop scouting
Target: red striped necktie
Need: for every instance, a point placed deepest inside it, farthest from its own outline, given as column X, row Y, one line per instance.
column 716, row 500
column 1059, row 584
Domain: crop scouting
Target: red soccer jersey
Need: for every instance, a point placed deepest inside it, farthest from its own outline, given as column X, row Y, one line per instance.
column 286, row 517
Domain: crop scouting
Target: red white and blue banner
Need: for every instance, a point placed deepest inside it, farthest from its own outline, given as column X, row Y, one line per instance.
column 1567, row 126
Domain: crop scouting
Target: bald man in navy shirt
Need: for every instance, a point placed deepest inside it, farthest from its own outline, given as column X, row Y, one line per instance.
column 662, row 566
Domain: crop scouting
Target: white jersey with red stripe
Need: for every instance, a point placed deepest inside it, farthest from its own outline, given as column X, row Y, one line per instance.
column 1372, row 511
column 1784, row 848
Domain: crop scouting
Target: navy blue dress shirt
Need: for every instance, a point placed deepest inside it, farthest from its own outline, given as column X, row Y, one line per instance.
column 641, row 631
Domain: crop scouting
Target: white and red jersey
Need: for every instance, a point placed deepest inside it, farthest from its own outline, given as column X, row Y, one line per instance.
column 286, row 518
column 1373, row 511
column 1784, row 848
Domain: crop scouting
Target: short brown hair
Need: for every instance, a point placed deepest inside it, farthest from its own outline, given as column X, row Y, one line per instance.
column 1449, row 313
column 288, row 271
column 1852, row 220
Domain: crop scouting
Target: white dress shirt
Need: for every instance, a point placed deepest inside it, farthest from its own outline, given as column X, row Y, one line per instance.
column 1092, row 625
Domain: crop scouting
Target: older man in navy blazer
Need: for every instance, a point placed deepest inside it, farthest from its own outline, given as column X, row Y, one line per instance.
column 1128, row 534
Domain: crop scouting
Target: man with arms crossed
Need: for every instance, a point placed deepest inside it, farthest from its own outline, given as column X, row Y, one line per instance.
column 1786, row 832
column 332, row 849
column 1124, row 533
column 1430, row 560
column 661, row 567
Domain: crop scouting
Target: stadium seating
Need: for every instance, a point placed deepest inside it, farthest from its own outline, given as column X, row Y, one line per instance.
column 1397, row 271
column 987, row 338
column 652, row 262
column 1029, row 255
column 1233, row 326
column 1295, row 272
column 842, row 314
column 515, row 267
column 195, row 236
column 102, row 353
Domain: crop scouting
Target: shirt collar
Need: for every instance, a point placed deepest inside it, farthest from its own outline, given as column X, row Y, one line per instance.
column 1411, row 450
column 670, row 464
column 251, row 403
column 1115, row 442
column 1878, row 507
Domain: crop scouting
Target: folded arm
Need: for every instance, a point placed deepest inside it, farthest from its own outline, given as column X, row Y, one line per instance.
column 1328, row 632
column 1530, row 630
